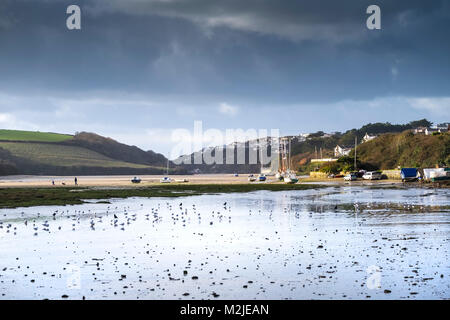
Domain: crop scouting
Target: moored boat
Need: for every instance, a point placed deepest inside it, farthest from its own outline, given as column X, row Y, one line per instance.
column 262, row 178
column 165, row 180
column 440, row 175
column 136, row 180
column 291, row 178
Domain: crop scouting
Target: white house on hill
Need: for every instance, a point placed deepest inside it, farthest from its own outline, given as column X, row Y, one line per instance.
column 341, row 151
column 368, row 137
column 429, row 131
column 420, row 130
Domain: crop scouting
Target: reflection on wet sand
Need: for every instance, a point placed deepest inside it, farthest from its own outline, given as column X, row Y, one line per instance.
column 332, row 243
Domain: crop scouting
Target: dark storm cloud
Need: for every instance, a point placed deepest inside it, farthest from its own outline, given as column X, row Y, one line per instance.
column 222, row 62
column 297, row 20
column 254, row 48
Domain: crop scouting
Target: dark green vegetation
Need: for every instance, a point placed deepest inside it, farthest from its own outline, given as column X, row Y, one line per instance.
column 24, row 152
column 28, row 197
column 345, row 164
column 327, row 143
column 391, row 150
column 406, row 150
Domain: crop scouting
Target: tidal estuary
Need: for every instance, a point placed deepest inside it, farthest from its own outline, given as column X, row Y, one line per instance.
column 339, row 242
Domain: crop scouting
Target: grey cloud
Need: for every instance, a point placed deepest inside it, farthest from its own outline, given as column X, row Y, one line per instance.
column 292, row 19
column 136, row 64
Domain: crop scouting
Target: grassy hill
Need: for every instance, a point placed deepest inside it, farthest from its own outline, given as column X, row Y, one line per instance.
column 317, row 143
column 389, row 151
column 116, row 150
column 26, row 152
column 61, row 155
column 406, row 150
column 319, row 140
column 19, row 135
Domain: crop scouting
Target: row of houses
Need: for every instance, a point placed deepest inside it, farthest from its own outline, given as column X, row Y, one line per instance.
column 441, row 128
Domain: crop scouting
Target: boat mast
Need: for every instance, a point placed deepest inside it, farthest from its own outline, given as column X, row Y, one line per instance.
column 356, row 139
column 280, row 155
column 167, row 171
column 260, row 157
column 289, row 154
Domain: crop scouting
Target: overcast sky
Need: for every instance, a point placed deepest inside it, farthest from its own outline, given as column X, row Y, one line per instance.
column 140, row 68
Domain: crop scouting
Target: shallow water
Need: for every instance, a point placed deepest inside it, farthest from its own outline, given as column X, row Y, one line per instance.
column 332, row 243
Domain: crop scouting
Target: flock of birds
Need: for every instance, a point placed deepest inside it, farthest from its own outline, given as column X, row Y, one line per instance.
column 298, row 247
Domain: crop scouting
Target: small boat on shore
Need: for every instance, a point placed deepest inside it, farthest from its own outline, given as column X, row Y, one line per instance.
column 290, row 178
column 136, row 180
column 286, row 174
column 409, row 174
column 165, row 180
column 262, row 178
column 440, row 175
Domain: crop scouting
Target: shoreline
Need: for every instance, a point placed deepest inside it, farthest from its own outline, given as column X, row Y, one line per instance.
column 29, row 191
column 47, row 196
column 35, row 181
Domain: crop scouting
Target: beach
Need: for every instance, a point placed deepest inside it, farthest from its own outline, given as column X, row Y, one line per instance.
column 148, row 180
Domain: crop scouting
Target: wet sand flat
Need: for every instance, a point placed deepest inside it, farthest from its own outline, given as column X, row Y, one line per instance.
column 118, row 180
column 331, row 243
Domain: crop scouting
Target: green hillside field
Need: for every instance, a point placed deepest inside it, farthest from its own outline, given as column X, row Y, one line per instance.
column 19, row 135
column 61, row 155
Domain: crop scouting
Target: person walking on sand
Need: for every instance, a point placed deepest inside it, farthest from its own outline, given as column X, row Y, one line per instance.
column 76, row 181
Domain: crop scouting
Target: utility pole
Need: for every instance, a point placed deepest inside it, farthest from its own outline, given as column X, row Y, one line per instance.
column 356, row 139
